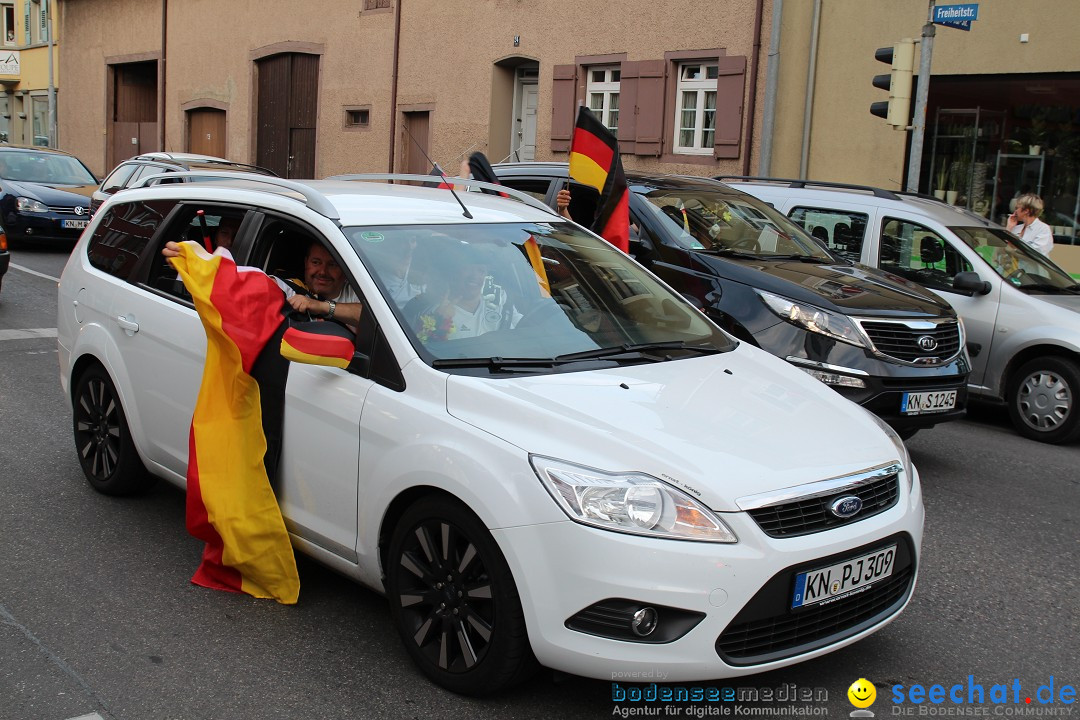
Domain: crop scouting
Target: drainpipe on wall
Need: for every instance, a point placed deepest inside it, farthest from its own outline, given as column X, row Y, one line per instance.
column 393, row 85
column 811, row 73
column 52, row 84
column 161, row 74
column 773, row 73
column 748, row 138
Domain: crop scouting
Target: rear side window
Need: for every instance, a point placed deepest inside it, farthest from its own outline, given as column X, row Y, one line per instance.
column 919, row 254
column 122, row 235
column 118, row 179
column 840, row 231
column 537, row 187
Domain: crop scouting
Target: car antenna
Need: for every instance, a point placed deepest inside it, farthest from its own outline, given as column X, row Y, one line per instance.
column 442, row 173
column 205, row 233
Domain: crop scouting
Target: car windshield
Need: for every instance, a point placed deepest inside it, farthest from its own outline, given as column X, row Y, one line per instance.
column 723, row 222
column 1019, row 264
column 512, row 296
column 44, row 168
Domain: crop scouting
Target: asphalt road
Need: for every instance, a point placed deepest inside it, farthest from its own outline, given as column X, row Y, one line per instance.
column 97, row 615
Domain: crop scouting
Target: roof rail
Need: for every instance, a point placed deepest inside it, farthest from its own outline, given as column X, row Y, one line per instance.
column 312, row 197
column 470, row 183
column 878, row 192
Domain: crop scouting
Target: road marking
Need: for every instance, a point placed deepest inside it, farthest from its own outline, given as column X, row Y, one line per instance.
column 27, row 334
column 13, row 266
column 91, row 716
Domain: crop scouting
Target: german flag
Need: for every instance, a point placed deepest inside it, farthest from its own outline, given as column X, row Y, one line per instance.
column 595, row 161
column 441, row 174
column 230, row 504
column 318, row 343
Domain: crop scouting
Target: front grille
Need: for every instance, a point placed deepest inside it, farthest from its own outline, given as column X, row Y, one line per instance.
column 945, row 382
column 792, row 633
column 66, row 209
column 811, row 515
column 900, row 341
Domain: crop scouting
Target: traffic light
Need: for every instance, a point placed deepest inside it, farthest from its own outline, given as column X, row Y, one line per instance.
column 897, row 109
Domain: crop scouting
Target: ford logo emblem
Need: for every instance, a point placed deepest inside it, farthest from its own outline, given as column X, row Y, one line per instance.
column 927, row 343
column 78, row 210
column 845, row 507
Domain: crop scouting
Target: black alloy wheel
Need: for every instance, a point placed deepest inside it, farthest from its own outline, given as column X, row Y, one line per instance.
column 1044, row 400
column 102, row 438
column 454, row 600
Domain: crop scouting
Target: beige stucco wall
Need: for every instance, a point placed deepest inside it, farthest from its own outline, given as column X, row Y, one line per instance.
column 847, row 142
column 447, row 57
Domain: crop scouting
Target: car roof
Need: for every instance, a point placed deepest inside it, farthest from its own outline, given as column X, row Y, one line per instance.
column 832, row 193
column 192, row 161
column 4, row 147
column 360, row 202
column 633, row 178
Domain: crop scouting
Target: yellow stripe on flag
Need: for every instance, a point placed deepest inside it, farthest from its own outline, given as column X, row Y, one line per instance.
column 584, row 170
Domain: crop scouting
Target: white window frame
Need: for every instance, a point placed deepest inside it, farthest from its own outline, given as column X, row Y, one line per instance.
column 701, row 86
column 607, row 91
column 10, row 27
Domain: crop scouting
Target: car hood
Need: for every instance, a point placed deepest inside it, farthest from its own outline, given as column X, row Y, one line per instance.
column 848, row 289
column 54, row 194
column 719, row 427
column 1069, row 302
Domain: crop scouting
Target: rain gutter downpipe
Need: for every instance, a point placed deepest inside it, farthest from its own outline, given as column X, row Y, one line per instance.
column 748, row 138
column 811, row 73
column 772, row 75
column 394, row 85
column 161, row 74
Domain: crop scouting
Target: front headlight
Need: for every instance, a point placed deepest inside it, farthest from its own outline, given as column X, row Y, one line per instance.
column 901, row 448
column 25, row 204
column 814, row 319
column 629, row 502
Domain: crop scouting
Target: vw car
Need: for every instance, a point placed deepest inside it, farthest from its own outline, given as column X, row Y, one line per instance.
column 44, row 194
column 1020, row 309
column 540, row 453
column 131, row 172
column 890, row 345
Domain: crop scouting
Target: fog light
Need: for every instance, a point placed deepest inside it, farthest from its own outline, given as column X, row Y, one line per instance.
column 830, row 378
column 644, row 622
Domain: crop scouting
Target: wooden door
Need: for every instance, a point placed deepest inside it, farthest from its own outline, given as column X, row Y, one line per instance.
column 206, row 131
column 416, row 129
column 287, row 107
column 133, row 121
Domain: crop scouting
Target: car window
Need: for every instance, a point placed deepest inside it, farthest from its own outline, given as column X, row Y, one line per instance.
column 1013, row 260
column 521, row 291
column 118, row 177
column 916, row 252
column 122, row 235
column 840, row 231
column 43, row 167
column 537, row 187
column 148, row 170
column 216, row 226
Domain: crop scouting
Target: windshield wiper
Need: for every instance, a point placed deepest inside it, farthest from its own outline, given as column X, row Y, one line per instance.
column 1047, row 287
column 634, row 351
column 729, row 252
column 800, row 258
column 492, row 363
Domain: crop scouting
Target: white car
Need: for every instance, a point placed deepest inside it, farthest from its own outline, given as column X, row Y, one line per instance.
column 1021, row 312
column 591, row 475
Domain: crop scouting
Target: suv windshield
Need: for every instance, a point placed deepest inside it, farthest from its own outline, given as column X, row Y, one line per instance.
column 510, row 295
column 702, row 219
column 44, row 168
column 1010, row 258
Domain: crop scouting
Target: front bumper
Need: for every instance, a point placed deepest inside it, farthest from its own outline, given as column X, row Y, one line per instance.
column 32, row 227
column 563, row 568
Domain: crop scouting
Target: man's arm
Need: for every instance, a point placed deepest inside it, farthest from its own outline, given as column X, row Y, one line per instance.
column 346, row 312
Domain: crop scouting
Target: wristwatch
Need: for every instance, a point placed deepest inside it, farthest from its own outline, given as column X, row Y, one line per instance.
column 333, row 307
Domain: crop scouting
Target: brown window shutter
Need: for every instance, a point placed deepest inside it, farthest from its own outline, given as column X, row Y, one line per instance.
column 628, row 84
column 649, row 108
column 563, row 96
column 729, row 105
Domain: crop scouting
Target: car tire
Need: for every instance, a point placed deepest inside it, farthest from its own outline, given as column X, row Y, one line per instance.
column 1044, row 400
column 102, row 438
column 454, row 600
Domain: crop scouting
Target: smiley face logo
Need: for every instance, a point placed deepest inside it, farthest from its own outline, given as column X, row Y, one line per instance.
column 862, row 693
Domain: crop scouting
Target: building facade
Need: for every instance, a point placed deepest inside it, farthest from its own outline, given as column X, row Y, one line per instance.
column 26, row 73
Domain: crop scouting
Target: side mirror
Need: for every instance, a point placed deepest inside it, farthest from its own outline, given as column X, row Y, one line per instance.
column 318, row 343
column 971, row 282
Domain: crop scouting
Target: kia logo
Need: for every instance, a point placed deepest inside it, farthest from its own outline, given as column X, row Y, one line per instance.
column 846, row 507
column 79, row 210
column 927, row 343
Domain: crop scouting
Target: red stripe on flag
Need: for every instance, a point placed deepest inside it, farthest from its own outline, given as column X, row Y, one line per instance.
column 319, row 345
column 249, row 304
column 589, row 145
column 617, row 229
column 212, row 572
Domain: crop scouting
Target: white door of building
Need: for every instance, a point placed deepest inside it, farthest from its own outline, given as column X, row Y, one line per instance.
column 523, row 143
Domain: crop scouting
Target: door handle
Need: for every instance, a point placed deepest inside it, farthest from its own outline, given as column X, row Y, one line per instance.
column 127, row 325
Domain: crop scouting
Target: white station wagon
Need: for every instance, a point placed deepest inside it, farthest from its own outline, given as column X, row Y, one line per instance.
column 539, row 452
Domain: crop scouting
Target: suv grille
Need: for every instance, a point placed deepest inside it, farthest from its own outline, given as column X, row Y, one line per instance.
column 901, row 341
column 802, row 517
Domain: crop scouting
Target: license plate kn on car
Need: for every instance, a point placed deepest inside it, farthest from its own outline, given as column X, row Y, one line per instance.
column 74, row 224
column 927, row 402
column 836, row 581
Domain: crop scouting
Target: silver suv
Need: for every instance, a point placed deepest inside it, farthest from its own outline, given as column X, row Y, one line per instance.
column 1020, row 310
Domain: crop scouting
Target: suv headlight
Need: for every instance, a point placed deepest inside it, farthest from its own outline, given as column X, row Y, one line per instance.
column 814, row 319
column 628, row 502
column 901, row 448
column 25, row 204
